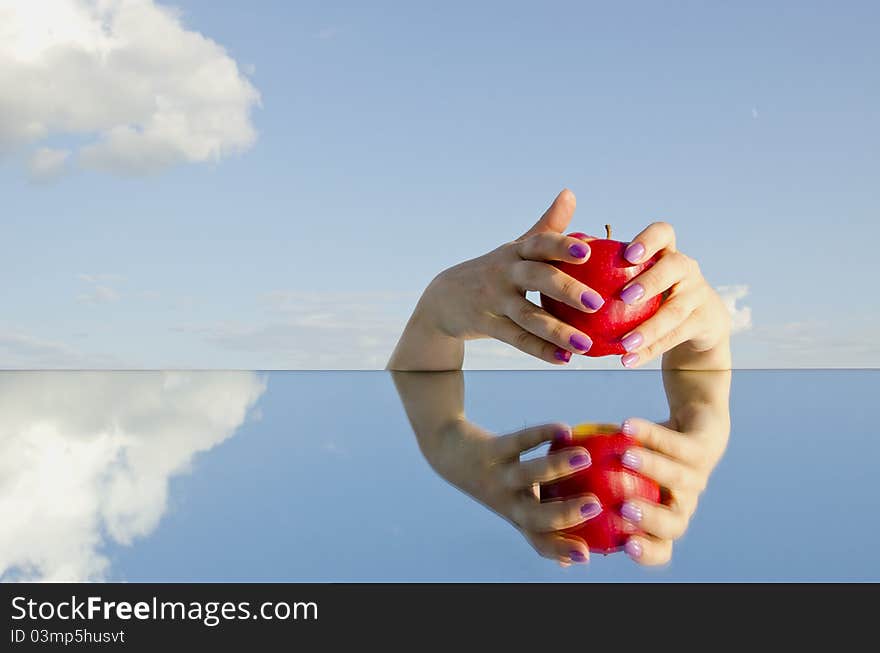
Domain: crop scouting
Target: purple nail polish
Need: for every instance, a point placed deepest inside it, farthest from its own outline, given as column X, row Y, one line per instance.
column 590, row 510
column 580, row 342
column 562, row 355
column 577, row 556
column 634, row 252
column 633, row 549
column 632, row 294
column 628, row 428
column 631, row 512
column 563, row 434
column 633, row 341
column 580, row 460
column 631, row 460
column 592, row 300
column 579, row 250
column 629, row 360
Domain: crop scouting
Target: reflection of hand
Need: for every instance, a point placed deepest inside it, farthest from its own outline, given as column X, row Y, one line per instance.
column 489, row 469
column 679, row 455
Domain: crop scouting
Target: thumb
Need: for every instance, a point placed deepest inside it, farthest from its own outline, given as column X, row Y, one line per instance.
column 557, row 217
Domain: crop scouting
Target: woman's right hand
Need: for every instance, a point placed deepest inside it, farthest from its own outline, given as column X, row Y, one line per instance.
column 486, row 296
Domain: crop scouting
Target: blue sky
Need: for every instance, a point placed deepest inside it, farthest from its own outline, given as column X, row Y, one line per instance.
column 394, row 140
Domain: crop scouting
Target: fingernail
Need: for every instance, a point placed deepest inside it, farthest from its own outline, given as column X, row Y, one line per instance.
column 591, row 509
column 629, row 360
column 628, row 428
column 580, row 342
column 580, row 235
column 577, row 556
column 632, row 341
column 579, row 250
column 632, row 294
column 634, row 252
column 580, row 460
column 562, row 355
column 564, row 433
column 633, row 549
column 592, row 299
column 631, row 460
column 631, row 512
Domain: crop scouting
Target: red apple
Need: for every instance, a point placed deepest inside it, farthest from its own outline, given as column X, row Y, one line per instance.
column 606, row 272
column 608, row 479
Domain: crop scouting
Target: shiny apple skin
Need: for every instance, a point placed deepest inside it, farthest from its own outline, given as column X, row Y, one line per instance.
column 611, row 482
column 606, row 272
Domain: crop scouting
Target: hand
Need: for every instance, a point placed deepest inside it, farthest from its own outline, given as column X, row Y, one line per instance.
column 486, row 298
column 692, row 317
column 680, row 456
column 488, row 468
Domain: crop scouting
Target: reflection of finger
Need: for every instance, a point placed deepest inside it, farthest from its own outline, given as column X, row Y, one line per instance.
column 669, row 473
column 664, row 522
column 649, row 551
column 554, row 515
column 564, row 549
column 513, row 444
column 520, row 475
column 660, row 438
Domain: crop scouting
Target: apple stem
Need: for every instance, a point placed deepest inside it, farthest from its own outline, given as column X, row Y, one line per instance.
column 608, row 231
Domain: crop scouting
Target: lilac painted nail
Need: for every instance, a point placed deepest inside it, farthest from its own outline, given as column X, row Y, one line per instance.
column 634, row 252
column 563, row 434
column 580, row 460
column 579, row 250
column 631, row 512
column 590, row 510
column 628, row 428
column 633, row 549
column 632, row 294
column 562, row 355
column 631, row 460
column 580, row 342
column 629, row 360
column 591, row 299
column 577, row 556
column 632, row 341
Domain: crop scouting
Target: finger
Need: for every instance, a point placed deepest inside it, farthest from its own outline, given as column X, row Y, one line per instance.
column 648, row 551
column 550, row 246
column 679, row 334
column 566, row 550
column 539, row 322
column 660, row 277
column 671, row 315
column 521, row 475
column 506, row 330
column 672, row 474
column 554, row 515
column 553, row 282
column 662, row 439
column 513, row 444
column 663, row 522
column 656, row 237
column 557, row 217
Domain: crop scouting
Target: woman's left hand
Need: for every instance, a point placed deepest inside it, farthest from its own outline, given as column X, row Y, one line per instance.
column 692, row 315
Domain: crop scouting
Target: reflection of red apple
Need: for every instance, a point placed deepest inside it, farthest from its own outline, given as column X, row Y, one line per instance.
column 608, row 479
column 606, row 272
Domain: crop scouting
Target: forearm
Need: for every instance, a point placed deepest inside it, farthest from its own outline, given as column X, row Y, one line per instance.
column 423, row 346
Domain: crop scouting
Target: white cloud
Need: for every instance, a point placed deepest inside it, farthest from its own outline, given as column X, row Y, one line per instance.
column 101, row 292
column 143, row 90
column 19, row 350
column 86, row 458
column 740, row 316
column 47, row 164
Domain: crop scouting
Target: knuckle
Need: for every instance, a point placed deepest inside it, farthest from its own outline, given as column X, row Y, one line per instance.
column 557, row 332
column 567, row 285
